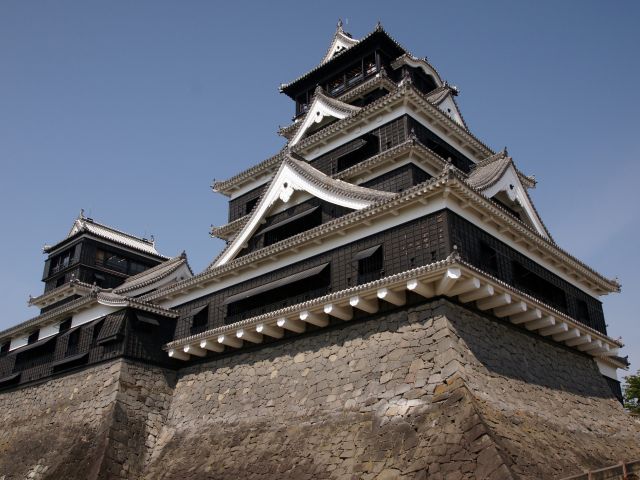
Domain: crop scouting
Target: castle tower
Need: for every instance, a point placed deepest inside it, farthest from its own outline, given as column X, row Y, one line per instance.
column 388, row 304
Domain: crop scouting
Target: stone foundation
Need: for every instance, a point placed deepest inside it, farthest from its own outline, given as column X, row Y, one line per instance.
column 434, row 391
column 100, row 423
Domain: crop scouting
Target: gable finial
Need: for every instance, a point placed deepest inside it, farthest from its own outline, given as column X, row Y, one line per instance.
column 379, row 26
column 505, row 152
column 339, row 26
column 81, row 213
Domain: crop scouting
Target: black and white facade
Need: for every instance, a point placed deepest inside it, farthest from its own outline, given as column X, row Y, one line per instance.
column 382, row 197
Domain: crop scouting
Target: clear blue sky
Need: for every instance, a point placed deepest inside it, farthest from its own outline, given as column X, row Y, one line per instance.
column 130, row 109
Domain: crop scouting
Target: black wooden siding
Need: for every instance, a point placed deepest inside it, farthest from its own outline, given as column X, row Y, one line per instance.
column 470, row 240
column 416, row 243
column 130, row 338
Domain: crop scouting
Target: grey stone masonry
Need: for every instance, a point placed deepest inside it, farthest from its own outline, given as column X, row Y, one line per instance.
column 99, row 423
column 434, row 391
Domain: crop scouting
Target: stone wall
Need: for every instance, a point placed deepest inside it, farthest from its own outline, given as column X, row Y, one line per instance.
column 435, row 391
column 431, row 392
column 96, row 423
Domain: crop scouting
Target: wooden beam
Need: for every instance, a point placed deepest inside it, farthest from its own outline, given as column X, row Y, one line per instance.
column 317, row 319
column 544, row 322
column 250, row 336
column 511, row 309
column 557, row 328
column 213, row 346
column 464, row 286
column 179, row 355
column 593, row 345
column 293, row 325
column 194, row 350
column 494, row 302
column 600, row 351
column 571, row 333
column 582, row 339
column 482, row 292
column 271, row 330
column 527, row 316
column 366, row 305
column 395, row 298
column 610, row 352
column 420, row 288
column 230, row 341
column 448, row 280
column 343, row 313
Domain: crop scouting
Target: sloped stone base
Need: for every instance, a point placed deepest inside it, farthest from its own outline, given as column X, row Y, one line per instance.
column 431, row 392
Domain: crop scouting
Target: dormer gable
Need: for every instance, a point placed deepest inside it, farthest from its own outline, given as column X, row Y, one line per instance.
column 323, row 110
column 422, row 64
column 341, row 41
column 298, row 176
column 497, row 178
column 444, row 98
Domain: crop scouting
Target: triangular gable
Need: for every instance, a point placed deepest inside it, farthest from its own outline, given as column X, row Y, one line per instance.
column 448, row 105
column 341, row 41
column 507, row 182
column 322, row 108
column 294, row 175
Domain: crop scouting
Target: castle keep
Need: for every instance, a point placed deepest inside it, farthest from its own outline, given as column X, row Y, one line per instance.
column 388, row 304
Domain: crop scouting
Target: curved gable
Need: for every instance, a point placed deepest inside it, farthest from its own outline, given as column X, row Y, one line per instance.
column 322, row 110
column 292, row 176
column 511, row 187
column 341, row 41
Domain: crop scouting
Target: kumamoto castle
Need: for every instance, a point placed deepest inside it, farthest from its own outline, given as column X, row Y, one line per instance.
column 388, row 305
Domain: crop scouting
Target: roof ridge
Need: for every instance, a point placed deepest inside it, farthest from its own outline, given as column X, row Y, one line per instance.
column 377, row 29
column 313, row 174
column 108, row 227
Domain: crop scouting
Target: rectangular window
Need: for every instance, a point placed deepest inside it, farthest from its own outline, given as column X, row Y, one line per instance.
column 289, row 290
column 583, row 312
column 73, row 342
column 116, row 263
column 199, row 319
column 291, row 226
column 370, row 264
column 488, row 258
column 65, row 325
column 33, row 337
column 135, row 268
column 358, row 151
column 538, row 287
column 250, row 204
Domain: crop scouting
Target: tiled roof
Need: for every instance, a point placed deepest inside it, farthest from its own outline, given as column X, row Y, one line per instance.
column 332, row 187
column 83, row 224
column 228, row 230
column 450, row 178
column 377, row 30
column 321, row 105
column 486, row 173
column 409, row 59
column 337, row 186
column 271, row 164
column 154, row 274
column 73, row 287
column 96, row 296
